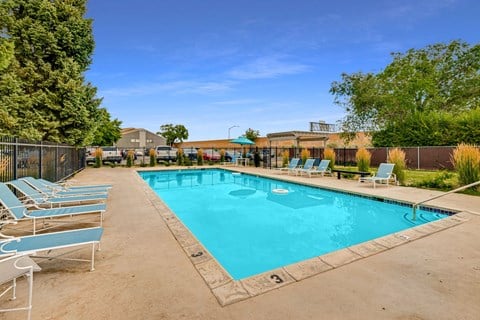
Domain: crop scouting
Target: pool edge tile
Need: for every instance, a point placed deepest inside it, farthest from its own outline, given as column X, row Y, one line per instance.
column 340, row 257
column 213, row 273
column 306, row 269
column 264, row 282
column 197, row 253
column 368, row 248
column 230, row 293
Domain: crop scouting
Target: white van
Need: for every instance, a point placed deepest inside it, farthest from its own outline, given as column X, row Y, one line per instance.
column 166, row 153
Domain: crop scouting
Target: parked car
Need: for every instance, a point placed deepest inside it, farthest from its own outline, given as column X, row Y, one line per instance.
column 229, row 155
column 190, row 152
column 166, row 153
column 211, row 155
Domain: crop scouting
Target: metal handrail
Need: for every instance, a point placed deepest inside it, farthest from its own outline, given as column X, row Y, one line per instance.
column 415, row 205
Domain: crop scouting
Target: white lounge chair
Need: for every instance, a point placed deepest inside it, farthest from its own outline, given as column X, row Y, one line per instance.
column 292, row 165
column 321, row 169
column 384, row 174
column 65, row 185
column 13, row 208
column 13, row 267
column 38, row 198
column 308, row 165
column 48, row 242
column 50, row 191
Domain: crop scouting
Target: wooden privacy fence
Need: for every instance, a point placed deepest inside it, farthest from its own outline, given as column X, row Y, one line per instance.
column 51, row 161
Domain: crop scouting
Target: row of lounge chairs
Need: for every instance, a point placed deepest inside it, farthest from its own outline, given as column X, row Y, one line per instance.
column 295, row 167
column 383, row 175
column 52, row 203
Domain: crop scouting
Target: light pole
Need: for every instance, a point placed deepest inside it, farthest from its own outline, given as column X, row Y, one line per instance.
column 235, row 126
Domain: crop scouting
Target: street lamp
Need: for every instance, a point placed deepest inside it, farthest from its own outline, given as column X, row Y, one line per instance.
column 235, row 126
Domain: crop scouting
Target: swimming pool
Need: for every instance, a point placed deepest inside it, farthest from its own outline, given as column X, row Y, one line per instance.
column 249, row 229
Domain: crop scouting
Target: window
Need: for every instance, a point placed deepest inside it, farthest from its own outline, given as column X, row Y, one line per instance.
column 134, row 140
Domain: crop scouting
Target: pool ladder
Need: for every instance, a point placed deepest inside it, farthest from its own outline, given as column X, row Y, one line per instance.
column 415, row 205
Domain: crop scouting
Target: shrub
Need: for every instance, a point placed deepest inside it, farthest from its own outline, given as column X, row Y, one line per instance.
column 329, row 154
column 285, row 158
column 466, row 160
column 130, row 158
column 305, row 154
column 397, row 157
column 441, row 180
column 98, row 157
column 363, row 157
column 180, row 156
column 200, row 157
column 153, row 157
column 187, row 161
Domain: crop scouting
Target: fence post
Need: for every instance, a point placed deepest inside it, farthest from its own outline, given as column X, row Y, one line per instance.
column 40, row 162
column 56, row 162
column 15, row 158
column 418, row 158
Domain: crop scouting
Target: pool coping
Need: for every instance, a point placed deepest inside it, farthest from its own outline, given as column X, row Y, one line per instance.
column 228, row 291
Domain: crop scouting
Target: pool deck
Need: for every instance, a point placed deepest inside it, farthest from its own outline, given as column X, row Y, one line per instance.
column 142, row 271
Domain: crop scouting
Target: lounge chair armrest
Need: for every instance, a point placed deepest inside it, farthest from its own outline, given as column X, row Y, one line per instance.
column 2, row 223
column 5, row 242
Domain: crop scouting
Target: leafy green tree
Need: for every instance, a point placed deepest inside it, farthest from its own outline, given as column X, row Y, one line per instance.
column 107, row 132
column 252, row 134
column 441, row 78
column 42, row 88
column 173, row 133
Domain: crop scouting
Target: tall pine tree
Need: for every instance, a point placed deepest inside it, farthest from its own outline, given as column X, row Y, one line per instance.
column 43, row 90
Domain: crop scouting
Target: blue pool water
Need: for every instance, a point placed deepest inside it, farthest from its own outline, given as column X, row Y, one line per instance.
column 249, row 229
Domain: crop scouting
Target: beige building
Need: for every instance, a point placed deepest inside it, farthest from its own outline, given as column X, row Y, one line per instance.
column 332, row 140
column 138, row 138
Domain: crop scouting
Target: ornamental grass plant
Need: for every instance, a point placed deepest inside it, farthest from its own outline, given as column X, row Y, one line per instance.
column 130, row 158
column 397, row 157
column 466, row 161
column 180, row 157
column 200, row 157
column 329, row 154
column 305, row 154
column 98, row 157
column 222, row 155
column 153, row 159
column 285, row 158
column 363, row 157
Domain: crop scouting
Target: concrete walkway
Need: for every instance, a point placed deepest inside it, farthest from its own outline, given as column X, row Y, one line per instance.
column 143, row 273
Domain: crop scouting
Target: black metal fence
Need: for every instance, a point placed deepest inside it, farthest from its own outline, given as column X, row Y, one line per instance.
column 51, row 161
column 426, row 158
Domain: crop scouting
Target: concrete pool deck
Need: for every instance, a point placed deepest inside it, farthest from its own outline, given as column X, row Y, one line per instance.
column 142, row 272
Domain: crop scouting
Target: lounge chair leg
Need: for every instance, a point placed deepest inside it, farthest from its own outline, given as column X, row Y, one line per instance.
column 93, row 258
column 14, row 289
column 30, row 292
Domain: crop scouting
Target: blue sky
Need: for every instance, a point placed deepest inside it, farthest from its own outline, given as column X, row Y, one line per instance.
column 261, row 64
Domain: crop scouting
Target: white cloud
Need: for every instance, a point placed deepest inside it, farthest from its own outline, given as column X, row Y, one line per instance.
column 174, row 87
column 267, row 67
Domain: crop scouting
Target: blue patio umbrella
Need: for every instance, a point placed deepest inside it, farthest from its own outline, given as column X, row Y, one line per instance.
column 242, row 140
